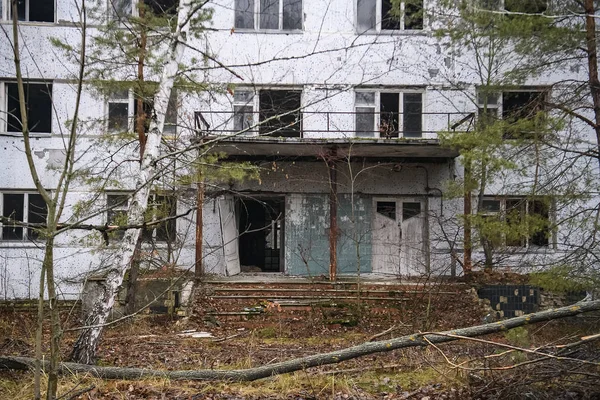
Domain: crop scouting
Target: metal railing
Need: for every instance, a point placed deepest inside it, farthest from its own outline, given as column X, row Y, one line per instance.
column 330, row 124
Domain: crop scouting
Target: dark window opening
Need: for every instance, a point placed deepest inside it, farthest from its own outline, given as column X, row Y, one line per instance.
column 540, row 235
column 515, row 209
column 118, row 116
column 116, row 214
column 38, row 104
column 280, row 114
column 492, row 206
column 389, row 21
column 413, row 14
column 526, row 6
column 162, row 7
column 36, row 214
column 410, row 210
column 13, row 209
column 518, row 107
column 161, row 207
column 34, row 10
column 19, row 207
column 261, row 234
column 389, row 107
column 413, row 115
column 387, row 209
column 292, row 14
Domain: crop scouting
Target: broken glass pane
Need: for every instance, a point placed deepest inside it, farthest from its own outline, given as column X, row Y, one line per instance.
column 292, row 14
column 269, row 14
column 389, row 118
column 280, row 111
column 244, row 14
column 365, row 121
column 413, row 110
column 13, row 209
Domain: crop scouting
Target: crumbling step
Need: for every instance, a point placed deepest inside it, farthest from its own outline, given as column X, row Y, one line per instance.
column 308, row 297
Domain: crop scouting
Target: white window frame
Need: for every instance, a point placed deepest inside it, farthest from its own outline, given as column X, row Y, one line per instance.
column 377, row 110
column 111, row 16
column 116, row 99
column 379, row 19
column 526, row 202
column 25, row 236
column 7, row 13
column 256, row 19
column 4, row 108
column 253, row 102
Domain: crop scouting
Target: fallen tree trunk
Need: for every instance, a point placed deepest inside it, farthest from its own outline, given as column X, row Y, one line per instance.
column 334, row 357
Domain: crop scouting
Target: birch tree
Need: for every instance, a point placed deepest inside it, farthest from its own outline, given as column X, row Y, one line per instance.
column 85, row 348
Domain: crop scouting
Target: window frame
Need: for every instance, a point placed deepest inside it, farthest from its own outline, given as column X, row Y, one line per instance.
column 500, row 97
column 4, row 116
column 256, row 19
column 170, row 128
column 377, row 111
column 25, row 235
column 6, row 12
column 379, row 20
column 525, row 203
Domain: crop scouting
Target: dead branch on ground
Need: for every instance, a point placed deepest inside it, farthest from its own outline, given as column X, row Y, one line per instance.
column 334, row 357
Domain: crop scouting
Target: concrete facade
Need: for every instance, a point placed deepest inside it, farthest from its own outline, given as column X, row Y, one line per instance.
column 328, row 61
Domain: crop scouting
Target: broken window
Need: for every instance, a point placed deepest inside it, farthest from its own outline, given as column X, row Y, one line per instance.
column 526, row 6
column 381, row 15
column 162, row 7
column 521, row 215
column 22, row 207
column 119, row 10
column 116, row 213
column 118, row 111
column 38, row 99
column 161, row 207
column 519, row 110
column 279, row 113
column 32, row 10
column 400, row 114
column 243, row 110
column 268, row 14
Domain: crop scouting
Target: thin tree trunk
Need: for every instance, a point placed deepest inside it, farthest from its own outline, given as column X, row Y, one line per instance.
column 55, row 330
column 334, row 357
column 592, row 56
column 84, row 350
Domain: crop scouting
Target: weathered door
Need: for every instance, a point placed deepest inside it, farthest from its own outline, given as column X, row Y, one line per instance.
column 398, row 232
column 229, row 232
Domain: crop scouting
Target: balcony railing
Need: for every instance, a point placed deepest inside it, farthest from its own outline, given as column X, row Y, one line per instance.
column 330, row 124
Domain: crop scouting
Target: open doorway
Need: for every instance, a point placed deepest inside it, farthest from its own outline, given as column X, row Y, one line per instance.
column 261, row 234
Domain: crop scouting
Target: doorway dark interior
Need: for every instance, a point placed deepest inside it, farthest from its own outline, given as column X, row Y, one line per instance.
column 261, row 234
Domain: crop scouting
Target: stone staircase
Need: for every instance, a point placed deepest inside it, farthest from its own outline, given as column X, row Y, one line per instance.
column 256, row 301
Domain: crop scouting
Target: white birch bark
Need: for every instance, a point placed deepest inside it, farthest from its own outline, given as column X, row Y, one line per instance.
column 85, row 348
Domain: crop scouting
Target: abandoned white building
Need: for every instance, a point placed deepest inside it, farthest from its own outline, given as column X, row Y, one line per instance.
column 339, row 104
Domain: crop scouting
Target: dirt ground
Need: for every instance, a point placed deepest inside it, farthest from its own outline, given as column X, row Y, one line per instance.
column 458, row 370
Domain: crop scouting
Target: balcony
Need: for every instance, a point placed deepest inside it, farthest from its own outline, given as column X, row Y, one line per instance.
column 304, row 133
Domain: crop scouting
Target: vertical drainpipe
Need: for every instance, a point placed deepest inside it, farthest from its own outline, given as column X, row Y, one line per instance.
column 333, row 207
column 199, row 270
